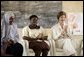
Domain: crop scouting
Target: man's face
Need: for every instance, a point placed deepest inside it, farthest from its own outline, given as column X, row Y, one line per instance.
column 10, row 20
column 34, row 20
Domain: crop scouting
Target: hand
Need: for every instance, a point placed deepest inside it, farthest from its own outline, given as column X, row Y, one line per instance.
column 40, row 35
column 8, row 42
column 65, row 28
column 38, row 38
column 62, row 33
column 11, row 41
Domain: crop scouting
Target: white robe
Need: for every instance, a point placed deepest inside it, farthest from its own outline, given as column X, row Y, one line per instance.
column 8, row 31
column 52, row 45
column 33, row 33
column 61, row 43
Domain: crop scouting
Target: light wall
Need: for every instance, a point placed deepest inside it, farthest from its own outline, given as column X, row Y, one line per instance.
column 72, row 6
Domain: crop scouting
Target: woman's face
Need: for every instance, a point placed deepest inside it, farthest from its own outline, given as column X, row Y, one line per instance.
column 10, row 20
column 62, row 19
column 34, row 20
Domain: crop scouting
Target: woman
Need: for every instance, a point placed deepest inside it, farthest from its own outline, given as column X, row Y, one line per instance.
column 61, row 35
column 10, row 37
column 34, row 35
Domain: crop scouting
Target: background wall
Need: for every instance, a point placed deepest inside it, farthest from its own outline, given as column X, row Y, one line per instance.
column 72, row 6
column 74, row 9
column 45, row 10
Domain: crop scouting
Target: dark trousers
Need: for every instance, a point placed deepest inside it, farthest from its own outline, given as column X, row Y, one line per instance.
column 15, row 49
column 39, row 47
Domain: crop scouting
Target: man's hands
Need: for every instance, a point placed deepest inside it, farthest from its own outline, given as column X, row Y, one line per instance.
column 39, row 36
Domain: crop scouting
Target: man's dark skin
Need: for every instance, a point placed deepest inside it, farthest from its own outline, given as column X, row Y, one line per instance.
column 33, row 25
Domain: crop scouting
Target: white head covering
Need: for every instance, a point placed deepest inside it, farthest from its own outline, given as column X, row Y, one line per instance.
column 7, row 15
column 5, row 24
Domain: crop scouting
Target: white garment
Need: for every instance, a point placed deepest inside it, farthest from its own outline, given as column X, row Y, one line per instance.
column 33, row 33
column 62, row 43
column 82, row 49
column 52, row 45
column 9, row 31
column 13, row 33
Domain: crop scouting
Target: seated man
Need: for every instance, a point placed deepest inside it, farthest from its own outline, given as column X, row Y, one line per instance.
column 34, row 34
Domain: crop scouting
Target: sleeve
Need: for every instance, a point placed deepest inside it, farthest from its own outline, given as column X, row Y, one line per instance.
column 69, row 31
column 2, row 30
column 16, row 33
column 55, row 33
column 25, row 32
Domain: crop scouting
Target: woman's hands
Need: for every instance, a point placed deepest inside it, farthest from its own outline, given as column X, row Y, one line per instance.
column 64, row 30
column 8, row 42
